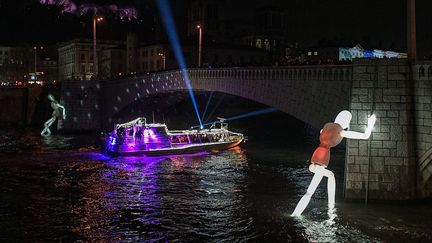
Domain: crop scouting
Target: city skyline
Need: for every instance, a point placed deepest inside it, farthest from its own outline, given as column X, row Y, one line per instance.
column 374, row 25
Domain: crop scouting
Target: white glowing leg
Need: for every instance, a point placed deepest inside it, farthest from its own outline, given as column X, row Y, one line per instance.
column 331, row 187
column 46, row 131
column 304, row 201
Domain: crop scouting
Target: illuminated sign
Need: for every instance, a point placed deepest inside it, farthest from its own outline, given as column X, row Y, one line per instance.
column 358, row 52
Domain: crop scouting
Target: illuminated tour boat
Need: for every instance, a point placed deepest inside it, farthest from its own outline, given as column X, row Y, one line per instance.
column 138, row 137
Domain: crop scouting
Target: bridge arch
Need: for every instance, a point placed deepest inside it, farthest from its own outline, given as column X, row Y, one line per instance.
column 305, row 97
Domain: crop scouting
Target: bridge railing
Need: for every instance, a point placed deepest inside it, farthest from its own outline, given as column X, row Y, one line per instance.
column 316, row 73
column 342, row 72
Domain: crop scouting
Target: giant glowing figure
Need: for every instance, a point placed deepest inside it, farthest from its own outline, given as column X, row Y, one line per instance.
column 58, row 110
column 330, row 136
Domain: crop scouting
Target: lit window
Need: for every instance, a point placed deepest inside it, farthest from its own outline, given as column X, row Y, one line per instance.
column 309, row 53
column 315, row 53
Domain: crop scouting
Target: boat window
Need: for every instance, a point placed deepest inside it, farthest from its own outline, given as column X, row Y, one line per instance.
column 160, row 130
column 175, row 139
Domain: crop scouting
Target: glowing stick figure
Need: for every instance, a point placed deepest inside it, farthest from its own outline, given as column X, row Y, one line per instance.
column 55, row 115
column 330, row 136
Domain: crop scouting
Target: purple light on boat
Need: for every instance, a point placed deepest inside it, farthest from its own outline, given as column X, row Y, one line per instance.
column 149, row 133
column 113, row 140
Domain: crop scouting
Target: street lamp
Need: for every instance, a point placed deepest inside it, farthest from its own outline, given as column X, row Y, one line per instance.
column 411, row 30
column 199, row 27
column 95, row 59
column 162, row 55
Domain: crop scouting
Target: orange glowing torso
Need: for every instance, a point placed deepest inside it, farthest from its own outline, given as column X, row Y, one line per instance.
column 330, row 137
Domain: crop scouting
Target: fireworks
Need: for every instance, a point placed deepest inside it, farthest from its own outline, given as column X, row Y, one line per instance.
column 65, row 5
column 124, row 13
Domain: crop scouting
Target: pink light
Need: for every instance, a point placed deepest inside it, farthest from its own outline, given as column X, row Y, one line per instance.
column 149, row 133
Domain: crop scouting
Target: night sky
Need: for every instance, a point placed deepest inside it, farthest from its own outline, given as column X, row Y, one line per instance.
column 373, row 23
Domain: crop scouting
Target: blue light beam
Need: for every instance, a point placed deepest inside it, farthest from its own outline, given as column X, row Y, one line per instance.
column 214, row 108
column 208, row 102
column 249, row 114
column 167, row 19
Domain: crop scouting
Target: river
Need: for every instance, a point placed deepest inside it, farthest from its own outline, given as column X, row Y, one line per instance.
column 62, row 189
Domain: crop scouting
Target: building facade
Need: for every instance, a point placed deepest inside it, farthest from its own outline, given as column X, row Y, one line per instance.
column 76, row 58
column 15, row 64
column 112, row 62
column 116, row 58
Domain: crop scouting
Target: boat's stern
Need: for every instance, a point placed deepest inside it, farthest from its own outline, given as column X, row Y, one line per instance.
column 110, row 145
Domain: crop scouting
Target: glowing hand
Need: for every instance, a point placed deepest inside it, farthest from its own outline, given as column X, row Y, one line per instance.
column 371, row 121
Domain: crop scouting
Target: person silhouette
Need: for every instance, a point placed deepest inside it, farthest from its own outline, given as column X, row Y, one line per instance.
column 58, row 109
column 330, row 136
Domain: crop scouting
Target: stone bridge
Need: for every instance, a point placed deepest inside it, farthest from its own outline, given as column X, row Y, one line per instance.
column 310, row 94
column 394, row 164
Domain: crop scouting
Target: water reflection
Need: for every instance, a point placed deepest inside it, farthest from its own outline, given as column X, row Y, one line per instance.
column 167, row 198
column 326, row 226
column 132, row 196
column 56, row 142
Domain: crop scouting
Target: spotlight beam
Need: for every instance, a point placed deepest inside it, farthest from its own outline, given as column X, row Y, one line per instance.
column 241, row 116
column 168, row 21
column 214, row 108
column 208, row 102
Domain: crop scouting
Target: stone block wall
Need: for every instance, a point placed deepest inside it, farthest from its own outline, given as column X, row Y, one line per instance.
column 81, row 100
column 383, row 167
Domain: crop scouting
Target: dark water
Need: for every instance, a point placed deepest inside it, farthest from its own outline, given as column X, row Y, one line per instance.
column 61, row 189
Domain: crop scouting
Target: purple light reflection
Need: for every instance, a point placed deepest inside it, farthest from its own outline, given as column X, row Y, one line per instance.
column 134, row 184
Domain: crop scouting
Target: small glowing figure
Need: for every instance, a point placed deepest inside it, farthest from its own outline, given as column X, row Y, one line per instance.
column 58, row 109
column 330, row 136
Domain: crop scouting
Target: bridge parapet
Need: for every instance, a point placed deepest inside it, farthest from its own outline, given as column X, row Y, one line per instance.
column 320, row 73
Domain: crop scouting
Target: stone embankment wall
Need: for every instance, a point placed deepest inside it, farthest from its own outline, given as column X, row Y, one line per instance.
column 26, row 105
column 395, row 163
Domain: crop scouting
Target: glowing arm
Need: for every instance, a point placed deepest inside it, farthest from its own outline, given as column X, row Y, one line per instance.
column 359, row 135
column 64, row 110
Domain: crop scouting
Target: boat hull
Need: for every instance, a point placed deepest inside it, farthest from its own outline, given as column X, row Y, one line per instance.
column 188, row 149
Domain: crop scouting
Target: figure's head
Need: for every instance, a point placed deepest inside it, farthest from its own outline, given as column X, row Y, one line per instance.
column 343, row 119
column 51, row 97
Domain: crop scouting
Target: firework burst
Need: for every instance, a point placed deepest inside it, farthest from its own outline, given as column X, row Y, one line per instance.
column 67, row 6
